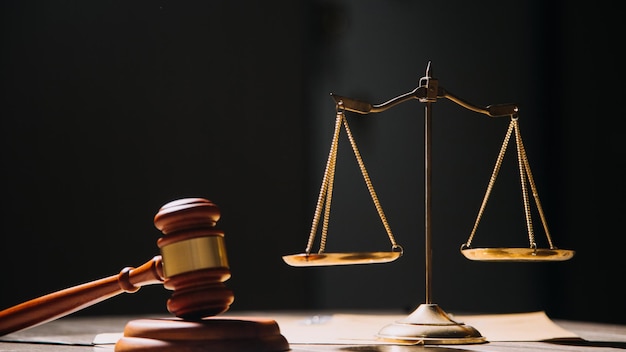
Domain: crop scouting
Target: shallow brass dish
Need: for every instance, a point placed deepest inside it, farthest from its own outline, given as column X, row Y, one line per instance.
column 517, row 254
column 321, row 259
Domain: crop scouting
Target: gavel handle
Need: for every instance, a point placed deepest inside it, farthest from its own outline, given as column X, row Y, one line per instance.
column 61, row 303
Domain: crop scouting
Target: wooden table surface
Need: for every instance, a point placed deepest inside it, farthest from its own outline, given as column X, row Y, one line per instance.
column 596, row 337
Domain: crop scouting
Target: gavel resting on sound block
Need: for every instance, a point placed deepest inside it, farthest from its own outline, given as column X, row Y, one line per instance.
column 193, row 263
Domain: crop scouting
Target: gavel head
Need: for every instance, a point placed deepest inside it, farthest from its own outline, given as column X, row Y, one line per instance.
column 194, row 259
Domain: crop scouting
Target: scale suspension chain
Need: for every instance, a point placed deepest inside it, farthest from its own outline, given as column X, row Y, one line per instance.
column 324, row 204
column 516, row 254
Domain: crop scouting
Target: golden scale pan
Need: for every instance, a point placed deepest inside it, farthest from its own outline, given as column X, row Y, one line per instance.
column 427, row 92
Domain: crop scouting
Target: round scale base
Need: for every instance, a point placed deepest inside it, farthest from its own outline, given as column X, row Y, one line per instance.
column 430, row 325
column 209, row 334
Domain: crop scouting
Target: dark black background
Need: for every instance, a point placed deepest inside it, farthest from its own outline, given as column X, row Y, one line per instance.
column 110, row 109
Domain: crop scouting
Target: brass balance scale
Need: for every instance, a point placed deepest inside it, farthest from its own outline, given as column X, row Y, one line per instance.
column 428, row 323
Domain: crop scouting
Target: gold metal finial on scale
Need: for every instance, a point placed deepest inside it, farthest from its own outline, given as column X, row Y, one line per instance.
column 428, row 323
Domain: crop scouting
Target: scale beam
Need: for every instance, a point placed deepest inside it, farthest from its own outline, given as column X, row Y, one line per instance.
column 428, row 91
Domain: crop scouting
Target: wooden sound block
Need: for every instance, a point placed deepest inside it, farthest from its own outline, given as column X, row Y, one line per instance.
column 250, row 334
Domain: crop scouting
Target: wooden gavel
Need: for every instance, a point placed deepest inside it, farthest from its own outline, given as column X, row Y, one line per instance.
column 192, row 263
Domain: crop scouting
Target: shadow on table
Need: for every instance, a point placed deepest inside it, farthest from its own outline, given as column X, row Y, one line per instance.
column 587, row 343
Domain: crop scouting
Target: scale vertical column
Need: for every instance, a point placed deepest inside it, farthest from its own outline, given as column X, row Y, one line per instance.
column 427, row 200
